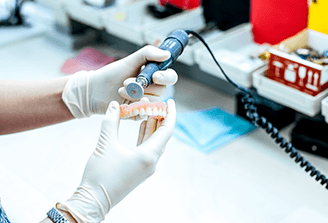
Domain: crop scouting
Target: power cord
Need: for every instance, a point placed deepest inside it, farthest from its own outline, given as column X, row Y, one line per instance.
column 251, row 112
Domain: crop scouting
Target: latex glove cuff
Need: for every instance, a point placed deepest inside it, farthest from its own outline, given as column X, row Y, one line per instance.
column 76, row 95
column 84, row 206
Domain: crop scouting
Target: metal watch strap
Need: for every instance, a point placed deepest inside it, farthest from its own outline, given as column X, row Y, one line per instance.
column 56, row 216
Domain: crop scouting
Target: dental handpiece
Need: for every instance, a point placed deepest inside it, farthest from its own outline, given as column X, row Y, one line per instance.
column 175, row 44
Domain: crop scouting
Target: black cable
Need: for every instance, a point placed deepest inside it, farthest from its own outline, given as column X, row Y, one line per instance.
column 217, row 63
column 251, row 112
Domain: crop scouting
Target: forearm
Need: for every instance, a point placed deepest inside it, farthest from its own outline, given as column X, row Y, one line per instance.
column 26, row 105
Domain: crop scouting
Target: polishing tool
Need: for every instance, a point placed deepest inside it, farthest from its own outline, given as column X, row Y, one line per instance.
column 174, row 43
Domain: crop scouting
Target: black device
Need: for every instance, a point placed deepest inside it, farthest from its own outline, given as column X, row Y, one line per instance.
column 162, row 12
column 226, row 14
column 310, row 136
column 274, row 112
column 174, row 43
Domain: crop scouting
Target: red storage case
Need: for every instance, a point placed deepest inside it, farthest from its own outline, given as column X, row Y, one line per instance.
column 276, row 20
column 182, row 4
column 298, row 73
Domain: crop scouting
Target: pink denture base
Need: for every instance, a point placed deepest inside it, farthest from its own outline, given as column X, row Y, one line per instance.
column 127, row 111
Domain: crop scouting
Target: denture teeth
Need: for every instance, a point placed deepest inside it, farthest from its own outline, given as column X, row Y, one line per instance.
column 142, row 111
column 148, row 111
column 155, row 112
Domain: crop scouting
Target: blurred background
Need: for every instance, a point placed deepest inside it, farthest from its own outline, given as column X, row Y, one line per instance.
column 218, row 166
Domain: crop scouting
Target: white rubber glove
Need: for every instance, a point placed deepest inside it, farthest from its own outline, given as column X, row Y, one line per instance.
column 88, row 93
column 113, row 171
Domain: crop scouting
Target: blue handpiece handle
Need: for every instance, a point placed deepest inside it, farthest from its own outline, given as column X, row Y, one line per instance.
column 175, row 43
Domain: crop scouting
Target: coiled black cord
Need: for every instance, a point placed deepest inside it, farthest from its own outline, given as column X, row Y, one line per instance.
column 251, row 112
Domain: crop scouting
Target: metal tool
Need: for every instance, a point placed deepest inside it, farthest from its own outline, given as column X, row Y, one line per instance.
column 175, row 44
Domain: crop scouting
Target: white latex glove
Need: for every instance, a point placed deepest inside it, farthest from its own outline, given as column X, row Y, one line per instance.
column 113, row 171
column 88, row 93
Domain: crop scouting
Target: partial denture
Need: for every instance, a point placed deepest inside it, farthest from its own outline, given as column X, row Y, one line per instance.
column 155, row 109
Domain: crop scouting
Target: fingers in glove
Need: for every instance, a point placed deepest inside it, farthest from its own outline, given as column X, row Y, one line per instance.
column 148, row 53
column 159, row 123
column 147, row 128
column 166, row 77
column 150, row 128
column 142, row 131
column 110, row 124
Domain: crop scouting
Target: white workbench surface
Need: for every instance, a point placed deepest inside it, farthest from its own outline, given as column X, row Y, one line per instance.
column 247, row 180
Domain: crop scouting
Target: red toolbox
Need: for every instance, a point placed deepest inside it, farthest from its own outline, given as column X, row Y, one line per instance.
column 298, row 73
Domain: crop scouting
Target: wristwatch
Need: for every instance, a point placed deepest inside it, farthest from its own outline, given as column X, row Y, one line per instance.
column 56, row 216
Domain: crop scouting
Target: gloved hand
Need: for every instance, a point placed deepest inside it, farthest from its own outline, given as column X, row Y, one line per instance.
column 88, row 93
column 113, row 171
